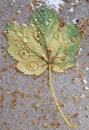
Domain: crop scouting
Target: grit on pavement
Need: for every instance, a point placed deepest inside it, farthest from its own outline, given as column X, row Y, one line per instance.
column 25, row 101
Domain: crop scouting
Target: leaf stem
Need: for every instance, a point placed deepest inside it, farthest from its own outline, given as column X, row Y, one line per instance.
column 55, row 100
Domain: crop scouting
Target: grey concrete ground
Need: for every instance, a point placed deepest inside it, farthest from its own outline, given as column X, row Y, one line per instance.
column 25, row 101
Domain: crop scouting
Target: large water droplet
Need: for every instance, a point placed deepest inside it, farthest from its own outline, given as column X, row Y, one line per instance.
column 37, row 35
column 33, row 66
column 25, row 39
column 24, row 54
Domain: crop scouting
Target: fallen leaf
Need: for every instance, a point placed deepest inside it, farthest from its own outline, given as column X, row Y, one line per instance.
column 44, row 45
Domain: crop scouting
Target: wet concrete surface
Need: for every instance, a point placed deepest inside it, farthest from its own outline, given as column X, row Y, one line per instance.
column 25, row 101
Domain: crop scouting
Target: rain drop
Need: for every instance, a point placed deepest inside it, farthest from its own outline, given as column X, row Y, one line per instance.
column 33, row 66
column 15, row 22
column 37, row 35
column 25, row 40
column 35, row 20
column 25, row 25
column 32, row 25
column 19, row 34
column 50, row 19
column 46, row 23
column 38, row 44
column 24, row 54
column 18, row 12
column 56, row 35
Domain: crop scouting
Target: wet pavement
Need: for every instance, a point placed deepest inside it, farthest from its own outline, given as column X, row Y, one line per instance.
column 25, row 101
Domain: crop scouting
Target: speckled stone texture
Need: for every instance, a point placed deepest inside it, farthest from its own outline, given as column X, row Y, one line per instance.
column 25, row 101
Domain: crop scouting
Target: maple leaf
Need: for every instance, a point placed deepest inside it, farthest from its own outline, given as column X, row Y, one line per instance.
column 44, row 44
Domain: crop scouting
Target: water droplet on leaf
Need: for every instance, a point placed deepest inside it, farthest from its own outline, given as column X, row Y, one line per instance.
column 19, row 34
column 38, row 44
column 32, row 25
column 32, row 66
column 25, row 25
column 46, row 23
column 37, row 35
column 50, row 19
column 25, row 40
column 24, row 54
column 56, row 35
column 35, row 20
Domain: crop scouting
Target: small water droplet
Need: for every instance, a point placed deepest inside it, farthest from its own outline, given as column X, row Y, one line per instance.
column 38, row 44
column 85, row 88
column 25, row 40
column 25, row 25
column 33, row 66
column 35, row 20
column 46, row 23
column 56, row 35
column 32, row 25
column 50, row 19
column 13, row 2
column 81, row 96
column 24, row 54
column 15, row 22
column 19, row 34
column 84, row 81
column 18, row 12
column 37, row 35
column 8, row 91
column 87, row 68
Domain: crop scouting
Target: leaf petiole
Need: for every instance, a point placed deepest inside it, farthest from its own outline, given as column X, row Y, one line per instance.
column 55, row 99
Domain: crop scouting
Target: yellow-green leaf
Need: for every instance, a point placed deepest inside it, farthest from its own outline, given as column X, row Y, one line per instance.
column 44, row 45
